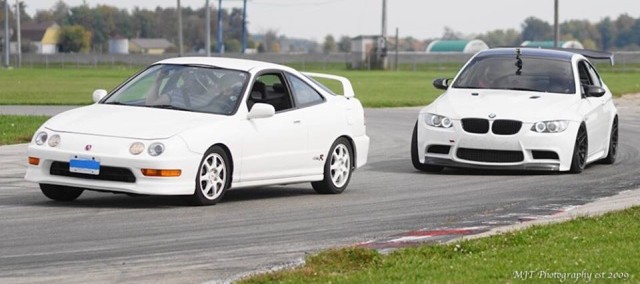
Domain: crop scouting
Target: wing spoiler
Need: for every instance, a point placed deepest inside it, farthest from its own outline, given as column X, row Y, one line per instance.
column 347, row 89
column 591, row 54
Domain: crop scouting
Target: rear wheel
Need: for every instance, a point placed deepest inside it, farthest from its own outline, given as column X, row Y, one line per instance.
column 613, row 144
column 415, row 160
column 580, row 150
column 213, row 178
column 337, row 168
column 60, row 193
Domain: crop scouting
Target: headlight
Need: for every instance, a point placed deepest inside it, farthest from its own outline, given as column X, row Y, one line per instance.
column 41, row 137
column 437, row 120
column 136, row 148
column 54, row 140
column 156, row 149
column 552, row 126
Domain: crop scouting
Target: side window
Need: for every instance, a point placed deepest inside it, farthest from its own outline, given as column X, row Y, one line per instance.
column 595, row 78
column 269, row 88
column 304, row 94
column 585, row 77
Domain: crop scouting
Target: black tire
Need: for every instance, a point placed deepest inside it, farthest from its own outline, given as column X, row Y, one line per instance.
column 213, row 177
column 60, row 193
column 415, row 160
column 580, row 151
column 338, row 168
column 613, row 144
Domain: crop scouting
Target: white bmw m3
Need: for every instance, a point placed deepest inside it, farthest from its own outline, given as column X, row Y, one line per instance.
column 520, row 109
column 200, row 126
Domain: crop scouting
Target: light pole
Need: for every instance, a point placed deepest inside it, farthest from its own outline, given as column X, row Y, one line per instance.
column 180, row 29
column 18, row 35
column 244, row 26
column 6, row 33
column 219, row 38
column 207, row 29
column 556, row 27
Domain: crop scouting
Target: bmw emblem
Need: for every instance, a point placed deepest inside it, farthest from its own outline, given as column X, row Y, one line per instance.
column 88, row 147
column 492, row 115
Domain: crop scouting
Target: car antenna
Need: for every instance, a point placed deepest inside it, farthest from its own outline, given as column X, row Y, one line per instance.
column 518, row 62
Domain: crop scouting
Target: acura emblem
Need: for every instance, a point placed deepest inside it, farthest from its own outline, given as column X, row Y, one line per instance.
column 492, row 115
column 88, row 147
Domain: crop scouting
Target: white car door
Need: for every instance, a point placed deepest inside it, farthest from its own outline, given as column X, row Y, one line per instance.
column 274, row 147
column 597, row 120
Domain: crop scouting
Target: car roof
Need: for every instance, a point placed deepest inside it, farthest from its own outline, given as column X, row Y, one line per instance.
column 227, row 63
column 530, row 52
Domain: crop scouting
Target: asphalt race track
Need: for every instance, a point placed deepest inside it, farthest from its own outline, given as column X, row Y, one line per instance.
column 117, row 238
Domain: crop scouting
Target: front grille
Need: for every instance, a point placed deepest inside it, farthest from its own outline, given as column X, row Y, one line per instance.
column 544, row 155
column 439, row 149
column 506, row 127
column 475, row 125
column 490, row 156
column 106, row 173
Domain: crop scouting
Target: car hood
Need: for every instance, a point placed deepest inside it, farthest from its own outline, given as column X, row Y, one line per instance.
column 518, row 105
column 128, row 121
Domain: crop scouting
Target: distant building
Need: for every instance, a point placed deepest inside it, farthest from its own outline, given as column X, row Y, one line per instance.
column 461, row 46
column 149, row 45
column 119, row 45
column 44, row 37
column 549, row 44
column 365, row 53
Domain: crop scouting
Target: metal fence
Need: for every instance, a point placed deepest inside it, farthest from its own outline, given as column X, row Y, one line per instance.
column 408, row 60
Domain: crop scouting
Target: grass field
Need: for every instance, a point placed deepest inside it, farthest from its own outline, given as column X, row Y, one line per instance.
column 585, row 250
column 373, row 88
column 18, row 128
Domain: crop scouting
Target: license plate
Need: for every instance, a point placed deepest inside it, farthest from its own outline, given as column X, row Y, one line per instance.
column 84, row 165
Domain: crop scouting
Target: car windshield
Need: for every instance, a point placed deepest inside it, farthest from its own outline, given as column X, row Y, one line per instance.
column 502, row 72
column 183, row 87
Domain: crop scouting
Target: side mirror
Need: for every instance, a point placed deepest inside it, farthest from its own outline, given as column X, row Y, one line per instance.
column 442, row 83
column 98, row 95
column 595, row 91
column 260, row 110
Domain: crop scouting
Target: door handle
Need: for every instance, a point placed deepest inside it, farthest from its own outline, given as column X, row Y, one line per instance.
column 297, row 121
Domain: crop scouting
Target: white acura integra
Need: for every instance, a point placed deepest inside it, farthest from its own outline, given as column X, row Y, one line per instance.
column 519, row 108
column 199, row 126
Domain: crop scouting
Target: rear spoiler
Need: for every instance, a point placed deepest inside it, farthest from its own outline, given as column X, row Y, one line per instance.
column 347, row 89
column 591, row 54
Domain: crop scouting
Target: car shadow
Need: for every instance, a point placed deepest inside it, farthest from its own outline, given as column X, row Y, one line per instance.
column 90, row 199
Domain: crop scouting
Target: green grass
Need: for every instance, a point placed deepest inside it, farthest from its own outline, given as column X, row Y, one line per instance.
column 18, row 128
column 56, row 86
column 605, row 247
column 410, row 86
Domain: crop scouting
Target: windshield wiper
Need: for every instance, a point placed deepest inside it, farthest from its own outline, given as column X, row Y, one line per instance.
column 115, row 103
column 524, row 89
column 469, row 87
column 169, row 107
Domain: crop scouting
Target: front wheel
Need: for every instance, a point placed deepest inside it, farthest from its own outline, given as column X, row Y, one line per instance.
column 337, row 169
column 580, row 151
column 613, row 144
column 213, row 178
column 60, row 193
column 415, row 160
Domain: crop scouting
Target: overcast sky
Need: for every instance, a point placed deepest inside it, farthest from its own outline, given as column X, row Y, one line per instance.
column 314, row 19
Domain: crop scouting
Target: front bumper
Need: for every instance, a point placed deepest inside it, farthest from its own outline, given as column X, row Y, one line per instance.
column 524, row 150
column 114, row 153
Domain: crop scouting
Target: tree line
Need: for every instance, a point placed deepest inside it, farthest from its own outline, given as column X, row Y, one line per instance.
column 85, row 28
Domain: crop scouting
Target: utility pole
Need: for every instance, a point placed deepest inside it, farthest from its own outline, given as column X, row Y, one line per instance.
column 207, row 29
column 244, row 27
column 219, row 45
column 382, row 45
column 180, row 53
column 556, row 27
column 6, row 33
column 18, row 34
